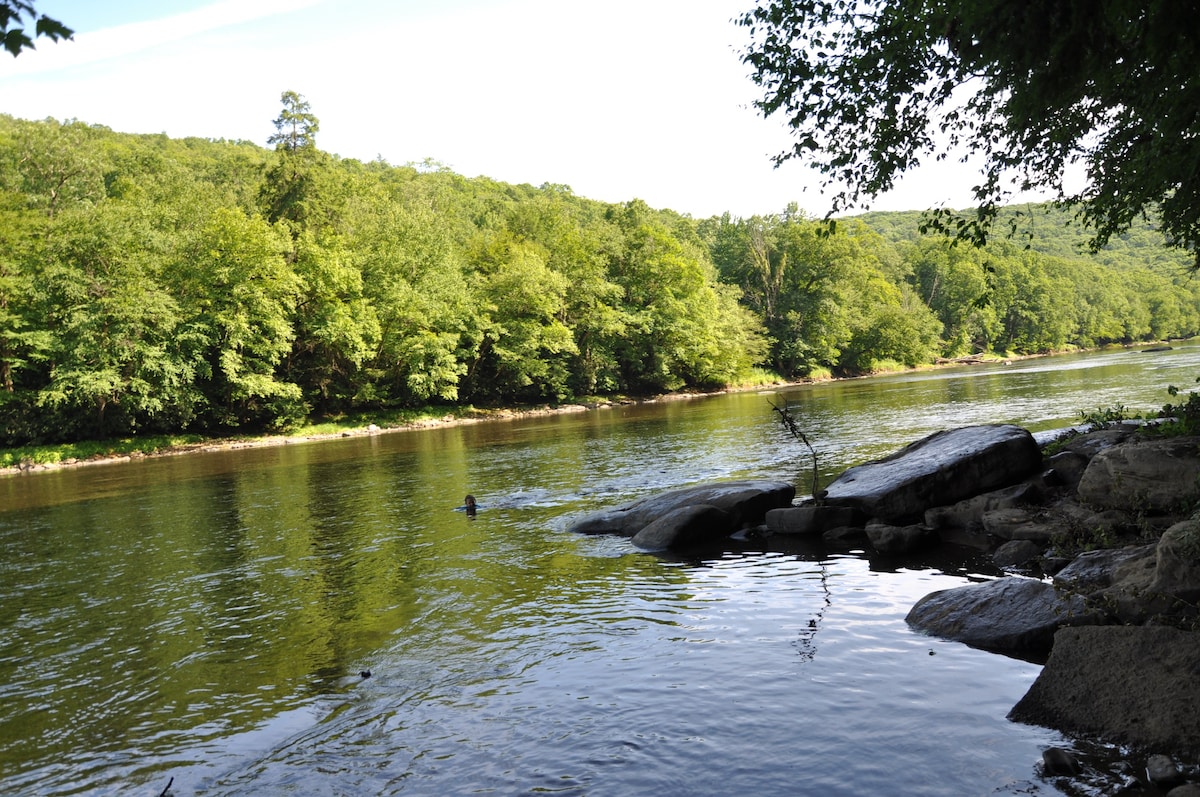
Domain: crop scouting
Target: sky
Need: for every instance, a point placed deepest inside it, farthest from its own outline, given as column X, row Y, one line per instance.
column 618, row 99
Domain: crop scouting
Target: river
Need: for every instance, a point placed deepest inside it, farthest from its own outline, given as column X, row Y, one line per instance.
column 317, row 619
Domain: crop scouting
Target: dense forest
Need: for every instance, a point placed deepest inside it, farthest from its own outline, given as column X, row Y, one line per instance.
column 150, row 284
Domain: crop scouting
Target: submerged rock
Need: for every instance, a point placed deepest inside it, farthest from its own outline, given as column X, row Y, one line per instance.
column 942, row 469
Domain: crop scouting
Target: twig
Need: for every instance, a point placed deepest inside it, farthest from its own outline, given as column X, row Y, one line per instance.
column 165, row 791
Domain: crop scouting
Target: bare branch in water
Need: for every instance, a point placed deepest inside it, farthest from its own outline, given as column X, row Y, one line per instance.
column 789, row 422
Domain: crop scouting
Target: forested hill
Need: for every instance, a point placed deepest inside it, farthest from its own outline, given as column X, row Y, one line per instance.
column 1052, row 230
column 150, row 284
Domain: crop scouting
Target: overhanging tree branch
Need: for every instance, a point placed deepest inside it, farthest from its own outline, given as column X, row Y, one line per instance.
column 872, row 88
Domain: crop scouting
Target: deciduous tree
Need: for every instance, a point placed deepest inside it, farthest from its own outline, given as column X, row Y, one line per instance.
column 871, row 88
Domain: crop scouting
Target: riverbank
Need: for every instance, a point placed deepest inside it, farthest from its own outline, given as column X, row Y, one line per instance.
column 34, row 459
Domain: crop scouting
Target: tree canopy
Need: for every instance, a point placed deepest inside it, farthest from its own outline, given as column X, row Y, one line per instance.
column 871, row 88
column 150, row 284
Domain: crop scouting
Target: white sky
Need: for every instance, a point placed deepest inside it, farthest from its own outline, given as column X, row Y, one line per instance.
column 619, row 99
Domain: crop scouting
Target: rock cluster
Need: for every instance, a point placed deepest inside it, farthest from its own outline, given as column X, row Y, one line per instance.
column 1095, row 530
column 690, row 516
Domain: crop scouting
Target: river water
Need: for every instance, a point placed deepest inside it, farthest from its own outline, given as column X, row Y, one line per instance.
column 317, row 619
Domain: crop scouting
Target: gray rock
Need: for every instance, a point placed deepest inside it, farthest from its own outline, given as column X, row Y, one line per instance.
column 1109, row 522
column 1067, row 467
column 1016, row 553
column 1186, row 790
column 685, row 526
column 810, row 519
column 942, row 469
column 1057, row 761
column 845, row 536
column 1144, row 587
column 1154, row 476
column 1097, row 569
column 971, row 510
column 1130, row 685
column 900, row 539
column 1177, row 562
column 746, row 501
column 1017, row 524
column 1016, row 616
column 1161, row 770
column 1089, row 444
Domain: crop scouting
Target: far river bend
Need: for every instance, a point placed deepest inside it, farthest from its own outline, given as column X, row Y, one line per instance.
column 210, row 618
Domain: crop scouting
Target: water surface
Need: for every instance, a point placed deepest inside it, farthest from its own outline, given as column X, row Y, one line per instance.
column 209, row 618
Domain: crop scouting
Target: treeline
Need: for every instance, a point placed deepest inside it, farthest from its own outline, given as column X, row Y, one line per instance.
column 150, row 284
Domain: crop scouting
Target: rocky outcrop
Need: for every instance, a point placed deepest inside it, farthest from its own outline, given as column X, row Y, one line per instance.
column 742, row 504
column 1130, row 685
column 1016, row 616
column 1115, row 489
column 942, row 469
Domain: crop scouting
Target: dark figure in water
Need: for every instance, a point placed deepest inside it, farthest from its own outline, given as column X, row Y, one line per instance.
column 469, row 505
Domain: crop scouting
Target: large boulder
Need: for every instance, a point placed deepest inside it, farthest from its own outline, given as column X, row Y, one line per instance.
column 746, row 502
column 1145, row 476
column 1132, row 685
column 942, row 469
column 686, row 526
column 1015, row 616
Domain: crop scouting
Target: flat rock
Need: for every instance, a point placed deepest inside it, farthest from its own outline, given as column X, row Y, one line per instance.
column 810, row 519
column 746, row 501
column 1016, row 616
column 942, row 469
column 1130, row 685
